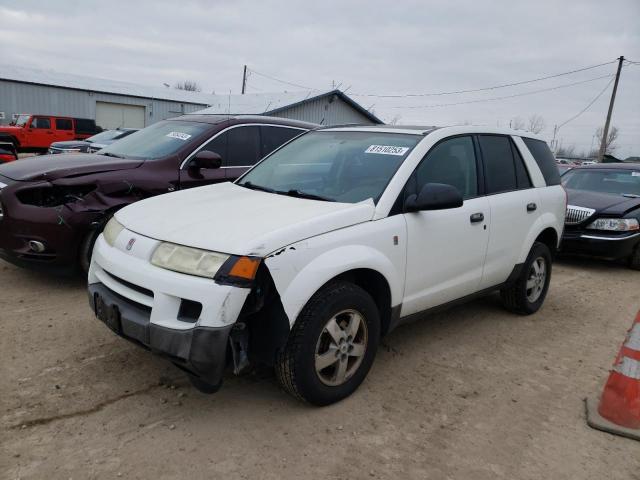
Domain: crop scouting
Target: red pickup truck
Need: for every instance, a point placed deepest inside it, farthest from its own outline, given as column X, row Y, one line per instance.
column 37, row 132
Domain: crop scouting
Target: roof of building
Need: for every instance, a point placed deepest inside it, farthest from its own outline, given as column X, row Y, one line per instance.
column 273, row 103
column 80, row 82
column 251, row 103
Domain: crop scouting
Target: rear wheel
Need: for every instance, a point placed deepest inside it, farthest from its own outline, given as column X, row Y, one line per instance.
column 526, row 295
column 331, row 346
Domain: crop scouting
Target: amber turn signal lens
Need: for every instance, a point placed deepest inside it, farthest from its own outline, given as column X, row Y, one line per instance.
column 245, row 267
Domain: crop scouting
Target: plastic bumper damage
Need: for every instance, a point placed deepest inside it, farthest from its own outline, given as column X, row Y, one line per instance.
column 200, row 351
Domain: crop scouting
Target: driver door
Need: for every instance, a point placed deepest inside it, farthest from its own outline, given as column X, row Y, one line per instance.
column 446, row 248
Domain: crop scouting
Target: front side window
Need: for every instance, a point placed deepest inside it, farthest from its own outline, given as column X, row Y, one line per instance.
column 41, row 122
column 339, row 166
column 64, row 124
column 499, row 167
column 157, row 141
column 452, row 162
column 621, row 182
column 238, row 147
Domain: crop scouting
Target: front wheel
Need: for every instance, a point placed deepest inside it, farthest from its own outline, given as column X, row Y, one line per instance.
column 527, row 294
column 331, row 346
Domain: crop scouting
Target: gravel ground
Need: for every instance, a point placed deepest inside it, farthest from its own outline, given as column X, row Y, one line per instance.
column 473, row 393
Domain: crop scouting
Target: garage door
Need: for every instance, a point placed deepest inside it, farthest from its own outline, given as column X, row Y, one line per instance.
column 119, row 115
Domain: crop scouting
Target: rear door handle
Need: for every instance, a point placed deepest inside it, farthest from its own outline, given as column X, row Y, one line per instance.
column 531, row 207
column 476, row 217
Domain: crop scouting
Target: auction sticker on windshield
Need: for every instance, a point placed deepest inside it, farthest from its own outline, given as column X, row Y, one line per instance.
column 179, row 135
column 387, row 150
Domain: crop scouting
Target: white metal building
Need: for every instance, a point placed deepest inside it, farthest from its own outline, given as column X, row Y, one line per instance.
column 121, row 104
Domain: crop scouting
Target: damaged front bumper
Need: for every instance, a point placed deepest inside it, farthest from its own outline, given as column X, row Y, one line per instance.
column 57, row 231
column 188, row 319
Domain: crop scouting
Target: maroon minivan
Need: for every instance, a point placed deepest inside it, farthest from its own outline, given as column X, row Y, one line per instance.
column 53, row 207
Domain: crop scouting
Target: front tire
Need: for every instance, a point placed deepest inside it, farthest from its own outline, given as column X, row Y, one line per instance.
column 86, row 249
column 634, row 260
column 331, row 346
column 526, row 295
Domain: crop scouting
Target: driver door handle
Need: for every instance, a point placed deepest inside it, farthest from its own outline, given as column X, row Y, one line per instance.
column 531, row 207
column 476, row 217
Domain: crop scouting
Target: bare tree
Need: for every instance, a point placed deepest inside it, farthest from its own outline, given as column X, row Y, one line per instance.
column 568, row 151
column 516, row 123
column 609, row 146
column 395, row 120
column 536, row 123
column 189, row 85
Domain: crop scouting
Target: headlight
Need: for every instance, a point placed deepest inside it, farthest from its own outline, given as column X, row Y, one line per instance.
column 112, row 230
column 615, row 224
column 191, row 261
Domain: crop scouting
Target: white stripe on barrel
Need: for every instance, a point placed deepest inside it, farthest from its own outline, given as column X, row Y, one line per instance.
column 629, row 368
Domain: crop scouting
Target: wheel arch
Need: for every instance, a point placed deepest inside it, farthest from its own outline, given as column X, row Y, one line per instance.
column 545, row 229
column 365, row 266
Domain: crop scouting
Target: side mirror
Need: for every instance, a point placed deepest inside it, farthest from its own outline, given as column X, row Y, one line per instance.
column 434, row 196
column 205, row 159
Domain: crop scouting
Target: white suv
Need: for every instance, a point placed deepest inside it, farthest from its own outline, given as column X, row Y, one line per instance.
column 327, row 244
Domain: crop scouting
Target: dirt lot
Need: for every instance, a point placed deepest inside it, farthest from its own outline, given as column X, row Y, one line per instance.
column 472, row 393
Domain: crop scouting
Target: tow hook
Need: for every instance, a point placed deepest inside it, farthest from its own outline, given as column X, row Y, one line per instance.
column 239, row 339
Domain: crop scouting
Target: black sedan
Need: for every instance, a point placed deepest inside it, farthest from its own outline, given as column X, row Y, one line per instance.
column 603, row 212
column 91, row 144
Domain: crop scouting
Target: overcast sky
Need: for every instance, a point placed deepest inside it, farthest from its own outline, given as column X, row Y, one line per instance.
column 369, row 47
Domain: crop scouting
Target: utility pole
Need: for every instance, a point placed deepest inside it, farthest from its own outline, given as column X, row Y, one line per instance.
column 605, row 132
column 244, row 79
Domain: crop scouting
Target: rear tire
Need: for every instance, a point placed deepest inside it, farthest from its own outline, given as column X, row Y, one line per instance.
column 332, row 345
column 526, row 295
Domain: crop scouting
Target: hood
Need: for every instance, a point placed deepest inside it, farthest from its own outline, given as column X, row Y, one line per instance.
column 10, row 128
column 52, row 167
column 603, row 203
column 231, row 219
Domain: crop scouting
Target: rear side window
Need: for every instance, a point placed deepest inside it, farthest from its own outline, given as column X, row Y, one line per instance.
column 545, row 160
column 522, row 176
column 64, row 124
column 273, row 137
column 499, row 167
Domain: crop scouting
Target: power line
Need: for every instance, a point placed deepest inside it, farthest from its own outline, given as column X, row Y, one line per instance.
column 279, row 80
column 588, row 105
column 504, row 97
column 504, row 85
column 409, row 95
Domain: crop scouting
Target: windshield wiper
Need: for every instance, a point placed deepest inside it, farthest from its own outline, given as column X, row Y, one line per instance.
column 257, row 187
column 298, row 194
column 109, row 154
column 630, row 195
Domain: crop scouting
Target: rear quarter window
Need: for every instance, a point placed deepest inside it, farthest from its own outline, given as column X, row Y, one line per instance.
column 545, row 160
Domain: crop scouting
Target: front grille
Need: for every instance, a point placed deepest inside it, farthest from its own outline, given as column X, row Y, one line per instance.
column 576, row 215
column 132, row 286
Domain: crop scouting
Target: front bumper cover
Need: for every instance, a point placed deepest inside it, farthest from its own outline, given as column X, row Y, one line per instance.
column 599, row 244
column 201, row 351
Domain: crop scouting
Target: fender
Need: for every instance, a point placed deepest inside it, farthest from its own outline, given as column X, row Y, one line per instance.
column 544, row 221
column 297, row 286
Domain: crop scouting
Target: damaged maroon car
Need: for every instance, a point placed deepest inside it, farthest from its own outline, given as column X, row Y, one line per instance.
column 52, row 208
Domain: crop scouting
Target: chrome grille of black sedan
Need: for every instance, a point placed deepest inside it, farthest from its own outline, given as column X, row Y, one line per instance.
column 577, row 214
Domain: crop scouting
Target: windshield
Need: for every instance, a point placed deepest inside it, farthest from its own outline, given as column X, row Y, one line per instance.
column 620, row 182
column 157, row 141
column 22, row 120
column 338, row 166
column 104, row 136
